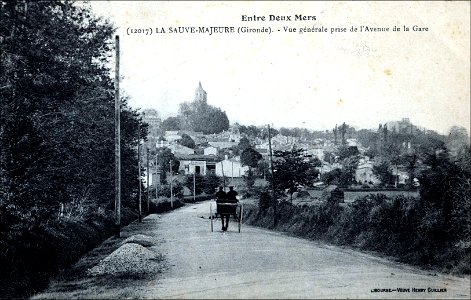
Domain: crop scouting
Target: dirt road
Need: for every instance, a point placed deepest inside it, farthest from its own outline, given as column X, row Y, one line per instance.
column 258, row 263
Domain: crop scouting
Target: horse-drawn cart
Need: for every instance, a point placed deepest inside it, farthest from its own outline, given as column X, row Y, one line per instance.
column 223, row 209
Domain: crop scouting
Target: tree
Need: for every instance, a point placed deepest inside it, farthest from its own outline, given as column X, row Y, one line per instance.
column 57, row 104
column 56, row 132
column 349, row 166
column 187, row 141
column 165, row 156
column 171, row 124
column 292, row 169
column 382, row 172
column 211, row 182
column 244, row 144
column 250, row 157
column 345, row 151
column 199, row 116
column 445, row 191
column 198, row 183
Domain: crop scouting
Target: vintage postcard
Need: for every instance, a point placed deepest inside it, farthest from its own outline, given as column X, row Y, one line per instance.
column 269, row 149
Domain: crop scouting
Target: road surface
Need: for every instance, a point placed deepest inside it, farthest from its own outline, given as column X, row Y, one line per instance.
column 258, row 263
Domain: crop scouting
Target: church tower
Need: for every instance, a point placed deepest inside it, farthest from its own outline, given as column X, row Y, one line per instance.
column 200, row 94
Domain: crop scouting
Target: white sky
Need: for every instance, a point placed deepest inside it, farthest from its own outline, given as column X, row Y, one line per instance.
column 311, row 80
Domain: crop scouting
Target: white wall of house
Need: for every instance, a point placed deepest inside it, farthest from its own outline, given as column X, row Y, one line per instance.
column 210, row 150
column 366, row 175
column 189, row 166
column 231, row 168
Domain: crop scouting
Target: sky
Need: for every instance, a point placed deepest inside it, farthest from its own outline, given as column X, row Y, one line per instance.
column 313, row 80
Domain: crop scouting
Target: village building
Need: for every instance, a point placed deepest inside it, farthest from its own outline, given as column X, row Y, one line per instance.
column 197, row 164
column 178, row 149
column 364, row 172
column 172, row 136
column 231, row 167
column 211, row 150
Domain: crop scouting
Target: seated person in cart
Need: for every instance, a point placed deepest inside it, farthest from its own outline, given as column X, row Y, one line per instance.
column 224, row 207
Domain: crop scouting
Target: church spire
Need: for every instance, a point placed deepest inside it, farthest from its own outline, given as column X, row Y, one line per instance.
column 200, row 94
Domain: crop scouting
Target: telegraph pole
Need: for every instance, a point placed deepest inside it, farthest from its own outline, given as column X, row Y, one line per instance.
column 171, row 185
column 275, row 204
column 117, row 146
column 147, row 179
column 194, row 183
column 223, row 177
column 156, row 174
column 139, row 169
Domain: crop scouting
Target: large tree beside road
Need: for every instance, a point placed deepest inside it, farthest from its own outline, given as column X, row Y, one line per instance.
column 56, row 127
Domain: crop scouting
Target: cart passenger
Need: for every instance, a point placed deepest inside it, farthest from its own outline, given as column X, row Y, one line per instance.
column 227, row 210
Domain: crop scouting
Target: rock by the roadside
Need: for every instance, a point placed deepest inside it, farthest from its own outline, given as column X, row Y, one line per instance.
column 129, row 259
column 141, row 239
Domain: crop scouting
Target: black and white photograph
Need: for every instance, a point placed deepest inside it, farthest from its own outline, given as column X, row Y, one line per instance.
column 235, row 150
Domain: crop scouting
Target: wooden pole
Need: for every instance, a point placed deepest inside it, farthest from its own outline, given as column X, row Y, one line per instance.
column 147, row 166
column 139, row 171
column 194, row 182
column 117, row 148
column 156, row 174
column 223, row 177
column 275, row 204
column 171, row 184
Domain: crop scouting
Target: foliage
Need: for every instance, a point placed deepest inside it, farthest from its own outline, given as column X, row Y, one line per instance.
column 382, row 172
column 244, row 144
column 250, row 130
column 165, row 156
column 250, row 157
column 332, row 177
column 198, row 181
column 57, row 125
column 201, row 117
column 171, row 124
column 177, row 189
column 292, row 169
column 211, row 183
column 187, row 141
column 346, row 152
column 249, row 179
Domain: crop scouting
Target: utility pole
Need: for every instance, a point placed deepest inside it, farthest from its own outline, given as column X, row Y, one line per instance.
column 171, row 185
column 139, row 169
column 275, row 204
column 147, row 180
column 223, row 177
column 194, row 182
column 156, row 174
column 117, row 145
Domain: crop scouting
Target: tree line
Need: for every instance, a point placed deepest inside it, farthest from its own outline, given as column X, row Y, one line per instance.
column 57, row 123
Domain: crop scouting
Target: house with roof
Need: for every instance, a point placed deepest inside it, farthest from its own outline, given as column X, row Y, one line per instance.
column 178, row 149
column 364, row 172
column 172, row 136
column 231, row 167
column 223, row 145
column 211, row 150
column 197, row 164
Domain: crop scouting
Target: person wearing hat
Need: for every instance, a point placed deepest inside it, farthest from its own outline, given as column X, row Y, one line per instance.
column 221, row 198
column 231, row 197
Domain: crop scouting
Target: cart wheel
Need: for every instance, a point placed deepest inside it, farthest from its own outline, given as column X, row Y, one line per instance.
column 241, row 211
column 211, row 215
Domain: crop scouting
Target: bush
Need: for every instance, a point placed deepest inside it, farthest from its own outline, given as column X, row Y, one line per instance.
column 197, row 181
column 211, row 183
column 177, row 188
column 164, row 204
